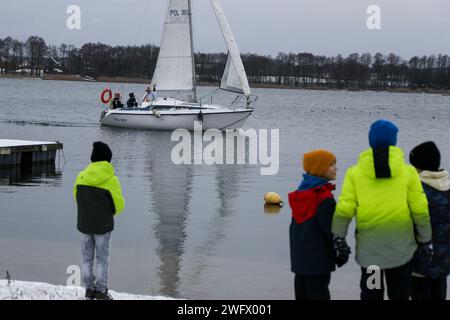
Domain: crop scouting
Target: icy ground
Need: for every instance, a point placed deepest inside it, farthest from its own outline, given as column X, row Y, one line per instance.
column 23, row 290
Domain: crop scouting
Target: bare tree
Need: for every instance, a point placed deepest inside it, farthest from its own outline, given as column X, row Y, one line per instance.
column 36, row 50
column 365, row 63
column 291, row 69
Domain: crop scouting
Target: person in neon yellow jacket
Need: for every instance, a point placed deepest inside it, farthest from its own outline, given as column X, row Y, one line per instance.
column 391, row 209
column 98, row 194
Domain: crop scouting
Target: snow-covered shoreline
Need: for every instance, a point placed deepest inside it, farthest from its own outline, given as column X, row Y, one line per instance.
column 24, row 290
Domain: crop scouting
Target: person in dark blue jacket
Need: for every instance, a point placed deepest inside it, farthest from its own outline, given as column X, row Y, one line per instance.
column 313, row 252
column 432, row 263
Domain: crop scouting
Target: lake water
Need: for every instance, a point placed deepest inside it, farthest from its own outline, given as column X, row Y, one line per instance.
column 189, row 231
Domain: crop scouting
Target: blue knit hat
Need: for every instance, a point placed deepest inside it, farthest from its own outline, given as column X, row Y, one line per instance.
column 383, row 134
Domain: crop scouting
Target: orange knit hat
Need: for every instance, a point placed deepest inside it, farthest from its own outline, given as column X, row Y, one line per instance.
column 317, row 162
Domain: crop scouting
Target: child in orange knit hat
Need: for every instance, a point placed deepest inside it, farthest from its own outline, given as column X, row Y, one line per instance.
column 313, row 255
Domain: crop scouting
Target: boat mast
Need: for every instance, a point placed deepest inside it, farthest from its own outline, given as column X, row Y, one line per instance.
column 194, row 77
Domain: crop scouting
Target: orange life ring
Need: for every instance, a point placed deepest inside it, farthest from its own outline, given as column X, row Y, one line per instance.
column 103, row 98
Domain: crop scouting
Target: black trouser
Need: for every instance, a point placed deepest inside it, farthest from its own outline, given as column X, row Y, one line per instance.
column 429, row 289
column 398, row 282
column 312, row 287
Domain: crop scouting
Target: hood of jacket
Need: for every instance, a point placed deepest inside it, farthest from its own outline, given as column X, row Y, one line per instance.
column 97, row 173
column 436, row 179
column 396, row 162
column 310, row 182
column 304, row 203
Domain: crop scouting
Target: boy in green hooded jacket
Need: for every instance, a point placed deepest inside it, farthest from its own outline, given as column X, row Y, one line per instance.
column 98, row 194
column 386, row 197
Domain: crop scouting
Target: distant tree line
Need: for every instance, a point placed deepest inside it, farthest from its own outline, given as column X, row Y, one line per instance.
column 365, row 71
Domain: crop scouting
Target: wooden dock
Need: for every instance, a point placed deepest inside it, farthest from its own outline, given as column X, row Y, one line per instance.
column 15, row 153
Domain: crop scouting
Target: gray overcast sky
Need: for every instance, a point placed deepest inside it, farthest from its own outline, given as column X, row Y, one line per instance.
column 329, row 27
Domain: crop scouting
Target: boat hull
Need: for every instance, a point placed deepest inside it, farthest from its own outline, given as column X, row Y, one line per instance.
column 176, row 119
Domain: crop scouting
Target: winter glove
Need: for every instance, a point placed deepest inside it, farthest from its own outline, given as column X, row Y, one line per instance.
column 426, row 249
column 342, row 251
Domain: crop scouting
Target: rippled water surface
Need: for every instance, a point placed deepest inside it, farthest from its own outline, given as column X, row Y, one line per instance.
column 191, row 231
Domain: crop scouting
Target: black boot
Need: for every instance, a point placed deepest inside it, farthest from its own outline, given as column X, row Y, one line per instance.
column 89, row 295
column 103, row 295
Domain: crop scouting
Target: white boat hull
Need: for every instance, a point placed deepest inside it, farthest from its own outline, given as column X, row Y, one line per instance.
column 220, row 119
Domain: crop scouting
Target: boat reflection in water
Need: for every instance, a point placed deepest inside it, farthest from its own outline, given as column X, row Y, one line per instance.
column 170, row 191
column 179, row 206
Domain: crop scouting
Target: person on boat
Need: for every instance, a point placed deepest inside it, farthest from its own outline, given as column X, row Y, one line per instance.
column 429, row 281
column 387, row 199
column 116, row 103
column 154, row 95
column 150, row 95
column 132, row 102
column 313, row 255
column 99, row 199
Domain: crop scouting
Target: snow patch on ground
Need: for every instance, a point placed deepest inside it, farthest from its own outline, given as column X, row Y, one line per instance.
column 23, row 290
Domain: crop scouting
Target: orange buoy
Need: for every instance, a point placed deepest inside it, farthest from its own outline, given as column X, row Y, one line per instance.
column 272, row 198
column 106, row 96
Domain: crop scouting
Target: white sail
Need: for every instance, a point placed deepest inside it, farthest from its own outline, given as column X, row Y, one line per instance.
column 230, row 79
column 234, row 78
column 174, row 68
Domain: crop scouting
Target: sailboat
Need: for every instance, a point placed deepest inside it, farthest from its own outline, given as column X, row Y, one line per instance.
column 175, row 72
